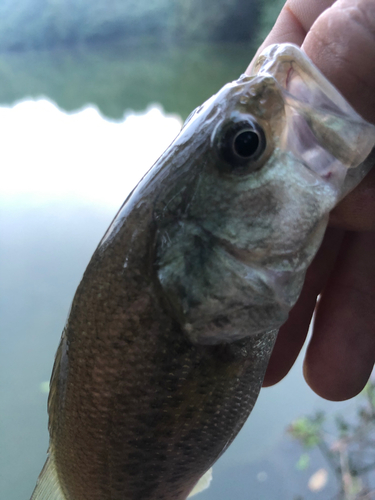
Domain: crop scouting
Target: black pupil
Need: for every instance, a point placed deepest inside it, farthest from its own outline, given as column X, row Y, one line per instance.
column 246, row 143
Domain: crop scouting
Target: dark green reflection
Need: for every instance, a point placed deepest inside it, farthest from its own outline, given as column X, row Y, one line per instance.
column 117, row 78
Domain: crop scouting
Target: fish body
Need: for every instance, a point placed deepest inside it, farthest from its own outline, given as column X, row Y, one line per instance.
column 172, row 326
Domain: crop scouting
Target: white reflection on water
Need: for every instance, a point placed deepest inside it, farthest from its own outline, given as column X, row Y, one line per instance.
column 47, row 154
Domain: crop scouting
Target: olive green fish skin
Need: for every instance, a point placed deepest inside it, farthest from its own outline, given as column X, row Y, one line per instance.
column 141, row 412
column 174, row 321
column 147, row 412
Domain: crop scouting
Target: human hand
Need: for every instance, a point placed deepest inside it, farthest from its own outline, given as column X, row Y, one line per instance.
column 339, row 37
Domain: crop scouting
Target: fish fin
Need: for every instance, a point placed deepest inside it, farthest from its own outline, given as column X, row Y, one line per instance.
column 202, row 484
column 48, row 484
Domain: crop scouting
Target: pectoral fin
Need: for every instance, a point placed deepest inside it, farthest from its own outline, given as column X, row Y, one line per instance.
column 48, row 485
column 202, row 484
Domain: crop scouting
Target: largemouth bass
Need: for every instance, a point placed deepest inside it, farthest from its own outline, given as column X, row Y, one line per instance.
column 172, row 326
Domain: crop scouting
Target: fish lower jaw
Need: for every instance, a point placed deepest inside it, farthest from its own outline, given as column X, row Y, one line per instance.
column 276, row 273
column 230, row 326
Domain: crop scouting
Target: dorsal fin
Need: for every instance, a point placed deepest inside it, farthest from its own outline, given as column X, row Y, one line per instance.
column 48, row 484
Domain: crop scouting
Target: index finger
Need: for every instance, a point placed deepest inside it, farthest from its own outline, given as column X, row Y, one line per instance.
column 293, row 23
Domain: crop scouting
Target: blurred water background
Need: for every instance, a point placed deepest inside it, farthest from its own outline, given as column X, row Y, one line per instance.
column 91, row 92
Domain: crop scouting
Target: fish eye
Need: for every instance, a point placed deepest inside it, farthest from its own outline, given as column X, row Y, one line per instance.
column 240, row 145
column 246, row 143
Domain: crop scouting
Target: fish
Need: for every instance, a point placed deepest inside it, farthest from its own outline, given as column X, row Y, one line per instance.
column 171, row 328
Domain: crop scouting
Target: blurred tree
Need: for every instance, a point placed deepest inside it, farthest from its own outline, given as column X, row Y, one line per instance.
column 26, row 24
column 216, row 20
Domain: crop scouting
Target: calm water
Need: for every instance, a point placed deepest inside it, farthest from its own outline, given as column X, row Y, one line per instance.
column 66, row 174
column 118, row 78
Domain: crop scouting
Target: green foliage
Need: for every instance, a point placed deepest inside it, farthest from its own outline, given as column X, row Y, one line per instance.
column 303, row 461
column 343, row 427
column 218, row 20
column 308, row 430
column 349, row 449
column 116, row 77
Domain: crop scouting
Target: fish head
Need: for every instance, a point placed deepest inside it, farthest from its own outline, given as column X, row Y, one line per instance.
column 256, row 171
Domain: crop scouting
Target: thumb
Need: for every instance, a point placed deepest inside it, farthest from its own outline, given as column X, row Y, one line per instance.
column 341, row 43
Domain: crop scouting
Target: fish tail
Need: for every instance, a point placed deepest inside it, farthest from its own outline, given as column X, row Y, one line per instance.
column 202, row 484
column 48, row 485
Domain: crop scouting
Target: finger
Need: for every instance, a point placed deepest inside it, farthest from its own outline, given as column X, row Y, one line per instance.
column 294, row 21
column 341, row 43
column 341, row 353
column 356, row 212
column 292, row 335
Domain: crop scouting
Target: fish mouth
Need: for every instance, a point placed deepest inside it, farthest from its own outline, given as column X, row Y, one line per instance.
column 275, row 282
column 323, row 130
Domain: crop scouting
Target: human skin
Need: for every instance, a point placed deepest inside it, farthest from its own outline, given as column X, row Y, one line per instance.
column 339, row 37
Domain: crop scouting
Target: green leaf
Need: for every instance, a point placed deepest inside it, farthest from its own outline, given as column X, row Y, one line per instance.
column 308, row 430
column 303, row 462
